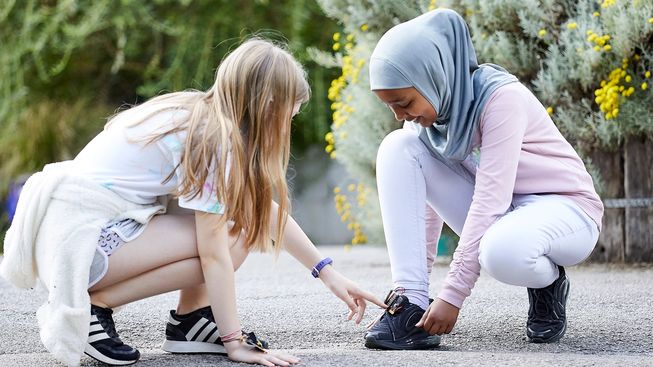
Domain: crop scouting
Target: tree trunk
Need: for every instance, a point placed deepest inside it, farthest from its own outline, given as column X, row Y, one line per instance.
column 638, row 183
column 611, row 245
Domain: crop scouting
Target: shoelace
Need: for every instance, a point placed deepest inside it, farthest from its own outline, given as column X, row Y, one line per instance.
column 107, row 323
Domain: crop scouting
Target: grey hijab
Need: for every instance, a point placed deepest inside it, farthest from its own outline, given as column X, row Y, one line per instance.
column 434, row 54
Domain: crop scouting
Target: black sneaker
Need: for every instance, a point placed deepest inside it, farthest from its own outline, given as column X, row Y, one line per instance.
column 547, row 319
column 196, row 333
column 395, row 329
column 103, row 342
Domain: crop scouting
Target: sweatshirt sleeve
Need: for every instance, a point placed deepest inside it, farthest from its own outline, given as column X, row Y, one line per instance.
column 502, row 127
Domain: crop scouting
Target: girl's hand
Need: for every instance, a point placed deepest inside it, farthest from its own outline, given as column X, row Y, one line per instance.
column 439, row 318
column 349, row 292
column 239, row 351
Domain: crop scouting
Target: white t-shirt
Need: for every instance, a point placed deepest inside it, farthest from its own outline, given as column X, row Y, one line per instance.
column 120, row 159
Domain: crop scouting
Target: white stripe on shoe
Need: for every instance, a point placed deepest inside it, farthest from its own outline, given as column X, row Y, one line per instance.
column 213, row 337
column 97, row 337
column 209, row 328
column 193, row 331
column 93, row 353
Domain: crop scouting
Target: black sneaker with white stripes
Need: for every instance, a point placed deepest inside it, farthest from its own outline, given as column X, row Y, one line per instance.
column 103, row 342
column 195, row 333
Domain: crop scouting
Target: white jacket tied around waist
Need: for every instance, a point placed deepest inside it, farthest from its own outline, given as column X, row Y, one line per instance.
column 53, row 238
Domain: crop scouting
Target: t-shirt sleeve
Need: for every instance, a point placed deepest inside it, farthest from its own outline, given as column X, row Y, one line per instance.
column 207, row 200
column 502, row 131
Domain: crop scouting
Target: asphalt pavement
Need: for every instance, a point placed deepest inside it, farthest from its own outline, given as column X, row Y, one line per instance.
column 610, row 313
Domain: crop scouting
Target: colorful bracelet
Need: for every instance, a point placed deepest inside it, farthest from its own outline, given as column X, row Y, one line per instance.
column 236, row 335
column 319, row 266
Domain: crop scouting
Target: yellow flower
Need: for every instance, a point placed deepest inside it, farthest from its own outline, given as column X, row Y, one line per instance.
column 333, row 155
column 597, row 48
column 365, row 27
column 607, row 3
column 596, row 14
column 607, row 47
column 650, row 20
column 329, row 148
column 644, row 86
column 336, row 46
column 350, row 37
column 572, row 25
column 628, row 78
column 336, row 36
column 647, row 74
column 541, row 33
column 549, row 110
column 329, row 137
column 336, row 190
column 432, row 5
column 351, row 187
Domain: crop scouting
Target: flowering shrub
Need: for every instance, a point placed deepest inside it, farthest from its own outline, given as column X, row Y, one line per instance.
column 359, row 120
column 588, row 61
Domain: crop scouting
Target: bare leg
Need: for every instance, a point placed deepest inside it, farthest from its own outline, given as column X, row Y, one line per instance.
column 162, row 259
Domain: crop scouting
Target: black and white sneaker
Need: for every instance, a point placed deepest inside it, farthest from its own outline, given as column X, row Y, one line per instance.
column 103, row 342
column 547, row 319
column 395, row 329
column 195, row 333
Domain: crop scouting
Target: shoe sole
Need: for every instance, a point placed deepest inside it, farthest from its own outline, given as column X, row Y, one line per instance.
column 180, row 347
column 551, row 339
column 431, row 342
column 93, row 353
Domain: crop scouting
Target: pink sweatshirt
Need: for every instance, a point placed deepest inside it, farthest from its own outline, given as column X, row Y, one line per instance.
column 521, row 152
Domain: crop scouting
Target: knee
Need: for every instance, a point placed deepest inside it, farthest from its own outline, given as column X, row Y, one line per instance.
column 501, row 255
column 397, row 143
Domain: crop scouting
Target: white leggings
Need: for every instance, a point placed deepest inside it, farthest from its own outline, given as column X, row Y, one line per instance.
column 522, row 248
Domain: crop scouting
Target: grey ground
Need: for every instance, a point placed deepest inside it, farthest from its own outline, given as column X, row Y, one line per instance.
column 610, row 319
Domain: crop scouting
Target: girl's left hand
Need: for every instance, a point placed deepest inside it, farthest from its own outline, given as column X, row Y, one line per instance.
column 439, row 318
column 349, row 292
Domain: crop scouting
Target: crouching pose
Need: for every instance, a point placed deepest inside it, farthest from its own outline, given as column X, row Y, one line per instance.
column 96, row 233
column 479, row 152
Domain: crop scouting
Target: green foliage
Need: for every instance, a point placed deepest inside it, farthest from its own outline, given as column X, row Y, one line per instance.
column 124, row 51
column 566, row 51
column 66, row 65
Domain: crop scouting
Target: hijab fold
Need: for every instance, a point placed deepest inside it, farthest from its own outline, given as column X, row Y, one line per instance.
column 434, row 54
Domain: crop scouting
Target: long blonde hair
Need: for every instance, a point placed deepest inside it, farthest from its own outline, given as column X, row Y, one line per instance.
column 244, row 117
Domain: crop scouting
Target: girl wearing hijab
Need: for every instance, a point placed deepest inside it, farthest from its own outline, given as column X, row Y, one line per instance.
column 479, row 152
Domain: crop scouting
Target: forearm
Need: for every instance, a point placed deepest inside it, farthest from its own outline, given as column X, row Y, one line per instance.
column 220, row 285
column 218, row 271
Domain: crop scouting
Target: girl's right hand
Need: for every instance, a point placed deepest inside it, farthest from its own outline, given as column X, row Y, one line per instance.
column 239, row 351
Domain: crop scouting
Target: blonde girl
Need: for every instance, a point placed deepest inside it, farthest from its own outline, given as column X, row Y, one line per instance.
column 95, row 230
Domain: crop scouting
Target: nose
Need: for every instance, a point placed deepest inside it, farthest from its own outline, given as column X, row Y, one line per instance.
column 400, row 115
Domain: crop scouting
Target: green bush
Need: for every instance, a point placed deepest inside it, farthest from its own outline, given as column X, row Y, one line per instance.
column 66, row 65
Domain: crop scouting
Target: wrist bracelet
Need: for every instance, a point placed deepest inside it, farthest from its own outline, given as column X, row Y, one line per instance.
column 236, row 335
column 319, row 266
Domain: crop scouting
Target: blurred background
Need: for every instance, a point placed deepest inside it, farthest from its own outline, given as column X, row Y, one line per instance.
column 68, row 65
